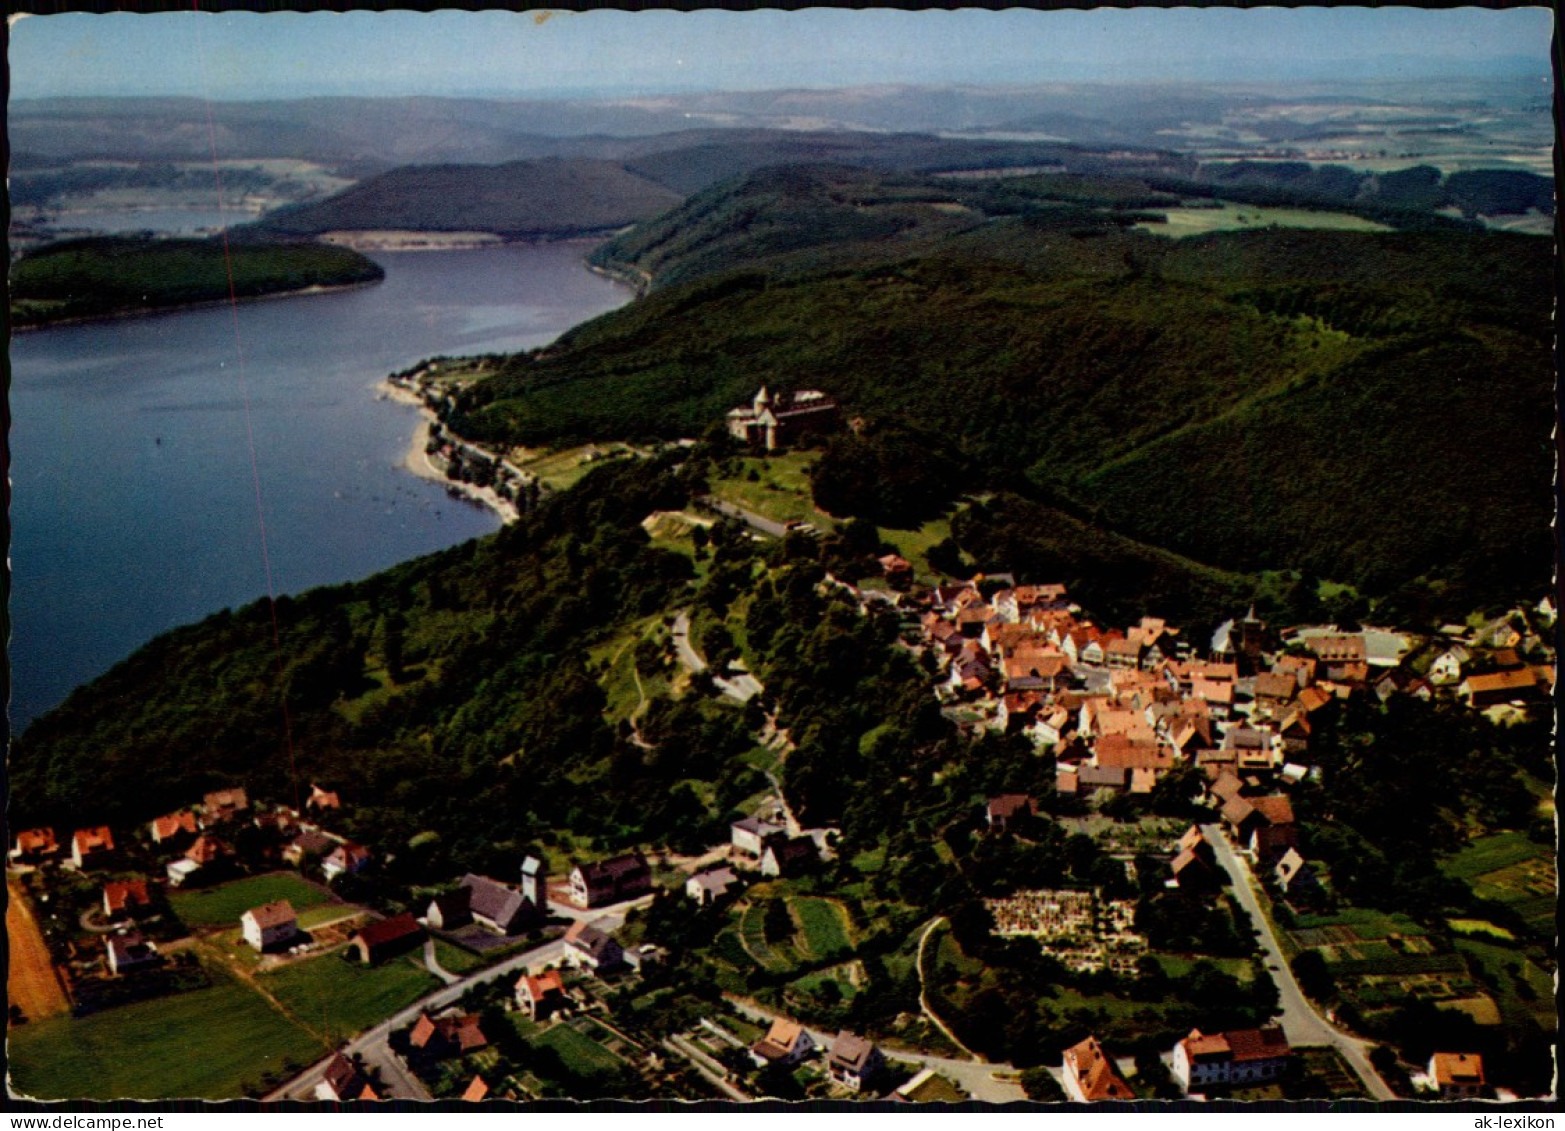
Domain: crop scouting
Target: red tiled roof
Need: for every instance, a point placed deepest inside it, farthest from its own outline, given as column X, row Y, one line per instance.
column 173, row 824
column 1095, row 1072
column 120, row 894
column 1457, row 1068
column 476, row 1091
column 93, row 840
column 272, row 914
column 36, row 840
column 1277, row 810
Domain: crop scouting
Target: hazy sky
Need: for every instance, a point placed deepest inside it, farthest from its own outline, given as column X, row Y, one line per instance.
column 245, row 55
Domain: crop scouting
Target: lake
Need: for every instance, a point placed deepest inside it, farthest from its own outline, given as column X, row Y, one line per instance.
column 136, row 468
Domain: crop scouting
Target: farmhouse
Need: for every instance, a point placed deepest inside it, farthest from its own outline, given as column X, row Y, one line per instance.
column 1090, row 1076
column 787, row 856
column 387, row 938
column 610, row 881
column 270, row 926
column 450, row 910
column 1242, row 1056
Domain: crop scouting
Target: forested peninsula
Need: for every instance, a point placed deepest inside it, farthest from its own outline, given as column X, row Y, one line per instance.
column 116, row 275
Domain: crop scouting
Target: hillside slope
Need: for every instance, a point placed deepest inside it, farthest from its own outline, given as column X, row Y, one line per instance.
column 1251, row 399
column 548, row 197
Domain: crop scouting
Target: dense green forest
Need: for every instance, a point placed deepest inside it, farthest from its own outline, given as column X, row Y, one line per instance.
column 1366, row 406
column 114, row 275
column 547, row 197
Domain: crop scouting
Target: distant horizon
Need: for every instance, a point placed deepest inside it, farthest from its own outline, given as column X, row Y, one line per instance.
column 607, row 54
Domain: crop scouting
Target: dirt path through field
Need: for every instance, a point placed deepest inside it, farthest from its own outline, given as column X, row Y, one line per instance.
column 31, row 981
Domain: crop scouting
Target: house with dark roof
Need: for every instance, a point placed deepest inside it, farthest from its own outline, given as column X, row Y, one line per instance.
column 1009, row 809
column 312, row 844
column 502, row 909
column 588, row 948
column 1241, row 1056
column 854, row 1061
column 788, row 855
column 1295, row 877
column 387, row 938
column 347, row 859
column 449, row 910
column 1091, row 1077
column 610, row 881
column 778, row 420
column 129, row 953
column 342, row 1081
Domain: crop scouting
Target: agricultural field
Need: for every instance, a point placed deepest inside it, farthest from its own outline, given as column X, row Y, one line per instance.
column 580, row 1051
column 1510, row 869
column 224, row 904
column 824, row 926
column 338, row 998
column 214, row 1043
column 1183, row 222
column 30, row 981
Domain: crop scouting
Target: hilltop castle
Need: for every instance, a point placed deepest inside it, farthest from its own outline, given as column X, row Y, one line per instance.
column 778, row 421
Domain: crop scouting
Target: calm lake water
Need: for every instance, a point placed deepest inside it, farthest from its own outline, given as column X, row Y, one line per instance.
column 133, row 503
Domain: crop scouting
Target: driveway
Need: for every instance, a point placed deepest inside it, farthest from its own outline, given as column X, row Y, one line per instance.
column 1300, row 1022
column 750, row 518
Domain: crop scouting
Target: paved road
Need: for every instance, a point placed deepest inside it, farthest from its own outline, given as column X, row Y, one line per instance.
column 750, row 518
column 688, row 656
column 372, row 1042
column 741, row 687
column 1300, row 1022
column 977, row 1079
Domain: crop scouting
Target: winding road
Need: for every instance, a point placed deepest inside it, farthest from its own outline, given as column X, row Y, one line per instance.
column 1300, row 1022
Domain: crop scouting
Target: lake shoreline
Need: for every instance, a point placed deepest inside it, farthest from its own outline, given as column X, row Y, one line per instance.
column 180, row 308
column 416, row 459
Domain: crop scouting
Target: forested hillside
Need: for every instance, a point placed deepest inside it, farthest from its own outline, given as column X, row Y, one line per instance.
column 1368, row 406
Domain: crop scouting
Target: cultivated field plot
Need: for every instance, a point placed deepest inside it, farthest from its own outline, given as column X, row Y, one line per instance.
column 1199, row 221
column 580, row 1051
column 222, row 906
column 824, row 924
column 338, row 998
column 214, row 1043
column 1510, row 869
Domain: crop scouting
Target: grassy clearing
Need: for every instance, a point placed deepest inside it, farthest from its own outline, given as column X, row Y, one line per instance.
column 1184, row 222
column 1480, row 927
column 1519, row 985
column 780, row 489
column 1367, row 924
column 565, row 468
column 914, row 545
column 1490, row 854
column 224, row 904
column 1178, row 965
column 455, row 959
column 937, row 1090
column 207, row 1044
column 339, row 998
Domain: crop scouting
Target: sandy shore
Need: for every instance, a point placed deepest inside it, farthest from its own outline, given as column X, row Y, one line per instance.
column 416, row 459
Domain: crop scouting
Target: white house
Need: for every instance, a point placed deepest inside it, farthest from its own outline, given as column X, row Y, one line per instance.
column 749, row 835
column 270, row 925
column 1242, row 1056
column 787, row 1042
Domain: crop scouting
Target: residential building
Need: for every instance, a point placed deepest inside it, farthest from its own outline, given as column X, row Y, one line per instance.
column 174, row 827
column 540, row 995
column 1481, row 691
column 854, row 1061
column 347, row 859
column 91, row 847
column 610, row 881
column 450, row 910
column 270, row 926
column 343, row 1081
column 477, row 1089
column 787, row 856
column 1295, row 877
column 129, row 953
column 312, row 844
column 223, row 805
column 587, row 947
column 1240, row 1056
column 123, row 898
column 750, row 835
column 1008, row 810
column 386, row 938
column 322, row 800
column 1457, row 1075
column 34, row 845
column 1091, row 1077
column 452, row 1035
column 711, row 884
column 786, row 1042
